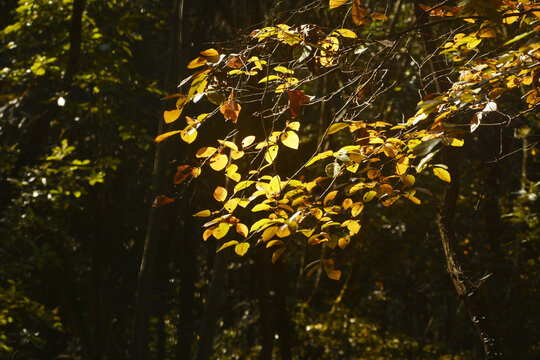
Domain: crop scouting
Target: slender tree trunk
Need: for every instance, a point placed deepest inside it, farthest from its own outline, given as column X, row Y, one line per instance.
column 75, row 37
column 267, row 330
column 213, row 302
column 467, row 291
column 142, row 312
column 284, row 325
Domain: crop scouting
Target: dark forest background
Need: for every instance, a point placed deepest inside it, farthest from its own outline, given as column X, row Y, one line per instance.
column 81, row 84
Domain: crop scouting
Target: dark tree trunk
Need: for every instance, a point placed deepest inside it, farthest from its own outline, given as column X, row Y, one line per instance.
column 143, row 305
column 467, row 291
column 213, row 302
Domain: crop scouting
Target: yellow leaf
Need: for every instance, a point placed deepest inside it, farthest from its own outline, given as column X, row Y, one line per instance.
column 231, row 204
column 356, row 209
column 220, row 194
column 269, row 78
column 271, row 153
column 378, row 16
column 227, row 244
column 332, row 273
column 207, row 233
column 343, row 242
column 260, row 207
column 241, row 249
column 283, row 231
column 346, row 33
column 457, row 142
column 290, row 139
column 248, row 140
column 269, row 233
column 337, row 127
column 276, row 255
column 369, row 196
column 243, row 185
column 237, row 154
column 203, row 213
column 189, row 134
column 283, row 70
column 242, row 229
column 195, row 63
column 228, row 144
column 330, row 196
column 402, row 165
column 408, row 180
column 205, row 151
column 354, row 227
column 171, row 115
column 487, row 33
column 259, row 224
column 347, row 203
column 510, row 19
column 442, row 174
column 274, row 243
column 336, row 3
column 295, row 125
column 221, row 230
column 162, row 137
column 218, row 162
column 211, row 54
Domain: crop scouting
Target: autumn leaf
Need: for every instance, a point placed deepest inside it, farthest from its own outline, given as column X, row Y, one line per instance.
column 164, row 136
column 271, row 153
column 161, row 200
column 195, row 63
column 356, row 209
column 189, row 134
column 290, row 139
column 230, row 109
column 182, row 172
column 220, row 194
column 346, row 33
column 331, row 272
column 203, row 213
column 296, row 99
column 227, row 244
column 442, row 174
column 241, row 248
column 334, row 128
column 221, row 230
column 205, row 152
column 487, row 33
column 359, row 14
column 277, row 254
column 248, row 140
column 211, row 54
column 242, row 229
column 171, row 115
column 218, row 162
column 336, row 3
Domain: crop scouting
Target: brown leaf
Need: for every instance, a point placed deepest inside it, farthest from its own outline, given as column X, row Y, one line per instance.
column 296, row 99
column 359, row 14
column 161, row 200
column 220, row 194
column 230, row 109
column 182, row 172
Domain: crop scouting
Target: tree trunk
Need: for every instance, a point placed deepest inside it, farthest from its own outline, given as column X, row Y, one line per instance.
column 213, row 302
column 466, row 290
column 142, row 312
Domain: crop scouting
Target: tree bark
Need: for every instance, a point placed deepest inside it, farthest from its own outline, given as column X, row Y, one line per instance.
column 142, row 312
column 213, row 302
column 466, row 290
